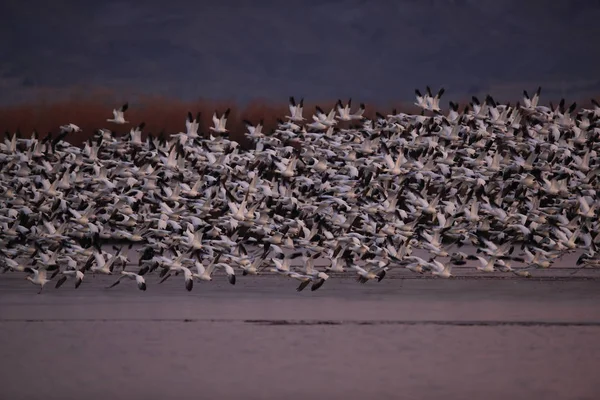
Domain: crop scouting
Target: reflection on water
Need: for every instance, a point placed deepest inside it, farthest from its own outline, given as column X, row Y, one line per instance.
column 260, row 339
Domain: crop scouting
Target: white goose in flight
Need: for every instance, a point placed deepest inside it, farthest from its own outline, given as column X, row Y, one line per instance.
column 187, row 275
column 71, row 274
column 296, row 110
column 102, row 266
column 139, row 280
column 439, row 269
column 530, row 103
column 119, row 115
column 39, row 277
column 344, row 111
column 326, row 119
column 219, row 122
column 205, row 273
column 252, row 268
column 254, row 131
column 377, row 272
column 69, row 128
column 192, row 125
column 304, row 279
column 228, row 270
column 428, row 101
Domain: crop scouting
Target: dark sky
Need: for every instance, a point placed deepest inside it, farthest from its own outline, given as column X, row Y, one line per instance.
column 370, row 50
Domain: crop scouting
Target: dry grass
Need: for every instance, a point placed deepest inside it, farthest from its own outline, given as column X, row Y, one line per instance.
column 90, row 111
column 160, row 114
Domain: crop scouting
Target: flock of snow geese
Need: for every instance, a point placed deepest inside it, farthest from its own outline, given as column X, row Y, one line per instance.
column 516, row 183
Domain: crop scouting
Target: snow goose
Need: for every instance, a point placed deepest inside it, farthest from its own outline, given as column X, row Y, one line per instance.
column 439, row 269
column 70, row 128
column 135, row 135
column 219, row 122
column 253, row 268
column 119, row 115
column 204, row 273
column 304, row 279
column 254, row 131
column 530, row 103
column 484, row 265
column 187, row 276
column 228, row 270
column 296, row 110
column 344, row 111
column 102, row 266
column 139, row 280
column 75, row 274
column 38, row 278
column 192, row 124
column 434, row 102
column 428, row 101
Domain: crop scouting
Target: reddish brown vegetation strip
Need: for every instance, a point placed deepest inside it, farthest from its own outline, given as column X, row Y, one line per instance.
column 159, row 114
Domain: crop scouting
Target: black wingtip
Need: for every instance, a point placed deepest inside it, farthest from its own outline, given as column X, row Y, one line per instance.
column 572, row 108
column 317, row 285
column 302, row 286
column 60, row 282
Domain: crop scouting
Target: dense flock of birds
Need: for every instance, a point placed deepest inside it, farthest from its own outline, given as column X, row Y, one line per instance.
column 519, row 183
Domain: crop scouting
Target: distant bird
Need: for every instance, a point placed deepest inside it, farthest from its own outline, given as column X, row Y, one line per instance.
column 69, row 128
column 219, row 122
column 39, row 277
column 139, row 280
column 344, row 111
column 229, row 271
column 73, row 274
column 439, row 269
column 530, row 103
column 428, row 101
column 254, row 131
column 296, row 110
column 119, row 115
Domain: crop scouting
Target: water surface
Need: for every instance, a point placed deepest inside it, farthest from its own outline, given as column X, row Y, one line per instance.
column 260, row 339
